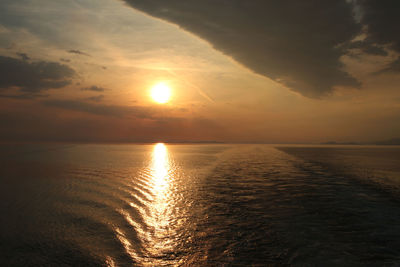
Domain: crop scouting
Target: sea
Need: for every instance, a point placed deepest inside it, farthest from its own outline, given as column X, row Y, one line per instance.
column 199, row 205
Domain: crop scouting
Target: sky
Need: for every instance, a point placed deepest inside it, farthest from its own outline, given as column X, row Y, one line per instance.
column 272, row 71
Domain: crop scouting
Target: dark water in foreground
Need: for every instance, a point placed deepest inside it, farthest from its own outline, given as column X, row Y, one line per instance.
column 199, row 205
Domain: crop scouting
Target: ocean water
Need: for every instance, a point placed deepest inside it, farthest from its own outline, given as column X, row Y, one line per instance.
column 199, row 205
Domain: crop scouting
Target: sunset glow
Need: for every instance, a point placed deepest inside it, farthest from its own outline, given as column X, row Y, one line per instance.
column 199, row 133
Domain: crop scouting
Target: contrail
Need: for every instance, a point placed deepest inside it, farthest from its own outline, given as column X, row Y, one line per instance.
column 201, row 92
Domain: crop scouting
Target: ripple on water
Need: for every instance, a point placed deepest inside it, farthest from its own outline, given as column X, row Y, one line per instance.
column 199, row 205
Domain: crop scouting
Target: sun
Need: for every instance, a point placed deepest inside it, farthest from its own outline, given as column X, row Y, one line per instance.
column 161, row 93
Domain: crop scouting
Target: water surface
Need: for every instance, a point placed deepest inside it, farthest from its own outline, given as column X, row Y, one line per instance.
column 199, row 205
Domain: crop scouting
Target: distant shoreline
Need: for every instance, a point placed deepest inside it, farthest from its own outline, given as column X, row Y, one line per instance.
column 390, row 142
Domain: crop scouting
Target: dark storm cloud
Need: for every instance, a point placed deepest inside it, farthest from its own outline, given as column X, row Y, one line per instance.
column 78, row 52
column 391, row 67
column 94, row 88
column 368, row 47
column 382, row 20
column 33, row 77
column 382, row 24
column 297, row 43
column 100, row 109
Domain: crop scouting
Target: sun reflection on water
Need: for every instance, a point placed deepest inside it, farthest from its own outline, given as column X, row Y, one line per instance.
column 160, row 168
column 161, row 214
column 157, row 232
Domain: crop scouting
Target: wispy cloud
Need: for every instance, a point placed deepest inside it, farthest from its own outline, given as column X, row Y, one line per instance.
column 78, row 52
column 23, row 56
column 23, row 96
column 97, row 98
column 94, row 88
column 101, row 109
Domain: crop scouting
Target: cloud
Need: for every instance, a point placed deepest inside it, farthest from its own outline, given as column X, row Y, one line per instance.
column 33, row 77
column 382, row 21
column 100, row 109
column 393, row 67
column 44, row 123
column 23, row 56
column 22, row 96
column 297, row 43
column 94, row 88
column 78, row 52
column 366, row 46
column 96, row 98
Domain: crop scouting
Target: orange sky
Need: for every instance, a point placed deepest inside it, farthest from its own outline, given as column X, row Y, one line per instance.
column 82, row 71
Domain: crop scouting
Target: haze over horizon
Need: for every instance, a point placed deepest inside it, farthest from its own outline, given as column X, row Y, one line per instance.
column 237, row 71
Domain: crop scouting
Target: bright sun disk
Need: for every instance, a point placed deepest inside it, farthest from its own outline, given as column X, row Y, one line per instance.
column 161, row 93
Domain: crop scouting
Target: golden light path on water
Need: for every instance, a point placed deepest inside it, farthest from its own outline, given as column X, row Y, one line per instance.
column 160, row 217
column 157, row 230
column 161, row 168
